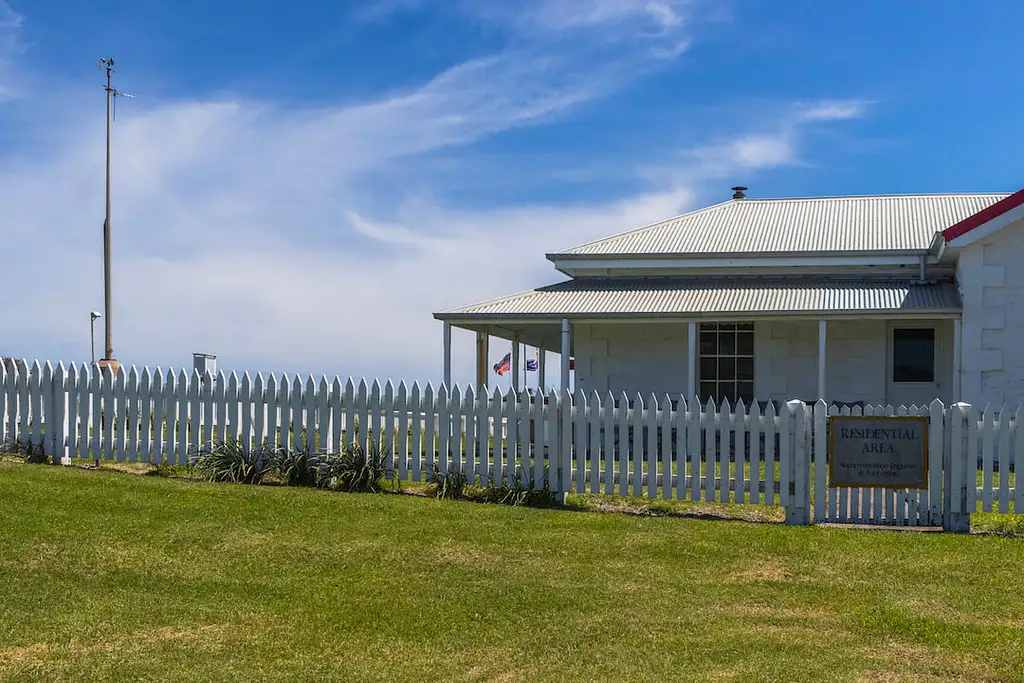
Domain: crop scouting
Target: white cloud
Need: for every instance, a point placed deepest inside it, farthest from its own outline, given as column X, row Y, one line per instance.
column 836, row 111
column 248, row 230
column 10, row 46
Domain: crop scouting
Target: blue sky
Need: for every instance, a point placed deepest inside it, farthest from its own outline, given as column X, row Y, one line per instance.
column 298, row 186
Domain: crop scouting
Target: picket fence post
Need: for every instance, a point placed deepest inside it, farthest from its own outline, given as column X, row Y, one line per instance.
column 798, row 470
column 961, row 467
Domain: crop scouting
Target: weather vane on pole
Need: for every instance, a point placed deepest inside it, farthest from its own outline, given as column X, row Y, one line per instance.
column 108, row 352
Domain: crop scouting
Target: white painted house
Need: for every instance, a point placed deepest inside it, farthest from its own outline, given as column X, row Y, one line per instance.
column 885, row 299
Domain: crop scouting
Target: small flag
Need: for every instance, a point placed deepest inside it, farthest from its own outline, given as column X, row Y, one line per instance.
column 533, row 364
column 504, row 365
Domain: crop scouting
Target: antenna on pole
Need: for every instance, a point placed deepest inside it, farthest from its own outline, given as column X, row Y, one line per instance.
column 107, row 63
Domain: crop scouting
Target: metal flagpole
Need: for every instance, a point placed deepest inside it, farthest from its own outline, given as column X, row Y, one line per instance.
column 108, row 345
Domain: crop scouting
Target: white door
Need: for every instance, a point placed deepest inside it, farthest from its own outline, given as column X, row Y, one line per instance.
column 912, row 365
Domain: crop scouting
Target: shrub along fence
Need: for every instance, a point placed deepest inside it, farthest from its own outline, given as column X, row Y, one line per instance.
column 630, row 445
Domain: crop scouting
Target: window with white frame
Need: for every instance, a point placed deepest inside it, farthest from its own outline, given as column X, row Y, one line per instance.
column 726, row 364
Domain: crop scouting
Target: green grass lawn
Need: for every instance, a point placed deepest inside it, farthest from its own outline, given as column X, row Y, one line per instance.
column 112, row 576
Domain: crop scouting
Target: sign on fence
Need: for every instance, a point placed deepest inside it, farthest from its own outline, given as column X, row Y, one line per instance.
column 889, row 452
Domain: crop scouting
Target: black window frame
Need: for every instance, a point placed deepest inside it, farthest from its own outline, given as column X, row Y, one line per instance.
column 725, row 362
column 903, row 369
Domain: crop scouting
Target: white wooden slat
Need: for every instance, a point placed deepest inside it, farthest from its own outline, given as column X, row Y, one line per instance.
column 637, row 445
column 526, row 447
column 873, row 497
column 220, row 408
column 724, row 451
column 309, row 414
column 1004, row 459
column 362, row 427
column 595, row 442
column 195, row 411
column 551, row 440
column 711, row 419
column 429, row 432
column 117, row 414
column 624, row 444
column 12, row 383
column 821, row 502
column 351, row 433
column 323, row 417
column 132, row 392
column 694, row 416
column 283, row 402
column 232, row 414
column 337, row 409
column 401, row 461
column 6, row 405
column 108, row 415
column 785, row 430
column 666, row 447
column 742, row 453
column 910, row 509
column 259, row 415
column 540, row 452
column 24, row 404
column 72, row 388
column 651, row 422
column 373, row 416
column 957, row 457
column 54, row 429
column 608, row 447
column 801, row 468
column 447, row 409
column 387, row 431
column 466, row 455
column 756, row 458
column 579, row 433
column 181, row 399
column 297, row 419
column 857, row 500
column 416, row 425
column 95, row 411
column 271, row 394
column 157, row 449
column 505, row 462
column 145, row 415
column 492, row 472
column 36, row 403
column 988, row 433
column 1018, row 466
column 245, row 412
column 931, row 501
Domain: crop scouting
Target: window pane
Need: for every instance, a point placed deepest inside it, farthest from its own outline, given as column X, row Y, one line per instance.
column 745, row 390
column 727, row 326
column 727, row 391
column 913, row 355
column 727, row 368
column 708, row 343
column 745, row 326
column 745, row 343
column 708, row 368
column 726, row 343
column 708, row 390
column 745, row 369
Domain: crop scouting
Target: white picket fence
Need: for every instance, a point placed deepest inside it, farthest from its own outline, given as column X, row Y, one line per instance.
column 629, row 445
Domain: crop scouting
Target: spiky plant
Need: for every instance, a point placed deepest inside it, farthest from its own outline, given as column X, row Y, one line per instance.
column 229, row 461
column 296, row 466
column 356, row 468
column 448, row 484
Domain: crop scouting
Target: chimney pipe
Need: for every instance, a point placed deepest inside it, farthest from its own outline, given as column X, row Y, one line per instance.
column 739, row 192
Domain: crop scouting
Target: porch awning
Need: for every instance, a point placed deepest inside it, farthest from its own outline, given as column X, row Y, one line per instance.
column 711, row 298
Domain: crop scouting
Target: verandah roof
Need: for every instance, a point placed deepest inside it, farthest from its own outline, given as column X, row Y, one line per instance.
column 710, row 298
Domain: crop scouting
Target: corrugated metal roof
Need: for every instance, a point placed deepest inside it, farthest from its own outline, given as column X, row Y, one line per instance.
column 821, row 224
column 618, row 298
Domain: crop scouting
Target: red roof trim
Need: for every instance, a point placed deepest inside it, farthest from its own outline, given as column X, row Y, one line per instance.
column 984, row 216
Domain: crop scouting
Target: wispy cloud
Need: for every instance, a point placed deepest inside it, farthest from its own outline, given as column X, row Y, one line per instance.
column 836, row 111
column 251, row 230
column 10, row 46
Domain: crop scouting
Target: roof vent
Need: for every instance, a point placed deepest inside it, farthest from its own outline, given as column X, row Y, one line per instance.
column 739, row 192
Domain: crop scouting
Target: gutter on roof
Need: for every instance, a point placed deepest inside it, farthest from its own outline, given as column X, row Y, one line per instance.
column 559, row 256
column 689, row 315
